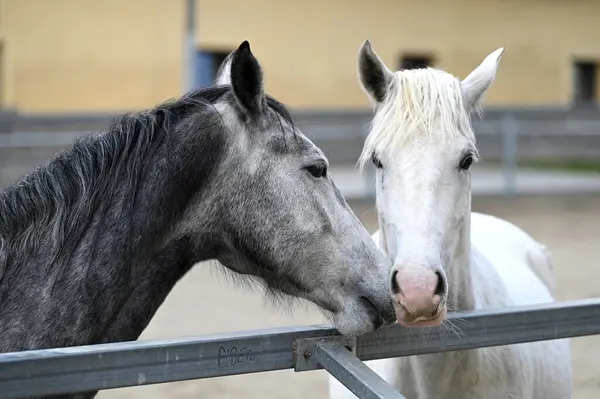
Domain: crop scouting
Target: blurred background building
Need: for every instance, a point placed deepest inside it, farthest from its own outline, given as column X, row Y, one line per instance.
column 114, row 55
column 68, row 66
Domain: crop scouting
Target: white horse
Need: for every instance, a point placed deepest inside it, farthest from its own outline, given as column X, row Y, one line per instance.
column 444, row 256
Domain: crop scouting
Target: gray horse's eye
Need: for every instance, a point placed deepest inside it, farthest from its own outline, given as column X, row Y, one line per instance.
column 317, row 170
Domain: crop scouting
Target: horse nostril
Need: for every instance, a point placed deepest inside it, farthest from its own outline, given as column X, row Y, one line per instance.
column 395, row 286
column 440, row 288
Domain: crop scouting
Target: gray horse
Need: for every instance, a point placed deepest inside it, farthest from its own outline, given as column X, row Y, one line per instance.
column 92, row 242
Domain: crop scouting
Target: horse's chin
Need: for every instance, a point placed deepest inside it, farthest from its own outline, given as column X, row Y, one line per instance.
column 356, row 321
column 352, row 328
column 436, row 321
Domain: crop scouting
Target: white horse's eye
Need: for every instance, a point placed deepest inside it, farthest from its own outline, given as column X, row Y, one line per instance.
column 376, row 161
column 466, row 162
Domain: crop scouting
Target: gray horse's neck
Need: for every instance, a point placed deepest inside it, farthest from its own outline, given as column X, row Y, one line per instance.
column 109, row 299
column 108, row 285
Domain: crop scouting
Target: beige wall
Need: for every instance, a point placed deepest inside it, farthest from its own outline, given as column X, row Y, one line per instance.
column 80, row 55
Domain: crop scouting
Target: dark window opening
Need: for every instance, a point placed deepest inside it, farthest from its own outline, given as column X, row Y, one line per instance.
column 207, row 65
column 218, row 58
column 413, row 61
column 585, row 82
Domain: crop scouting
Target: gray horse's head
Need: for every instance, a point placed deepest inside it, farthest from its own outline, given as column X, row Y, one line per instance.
column 274, row 213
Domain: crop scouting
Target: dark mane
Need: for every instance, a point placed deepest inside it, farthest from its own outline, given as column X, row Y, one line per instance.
column 61, row 194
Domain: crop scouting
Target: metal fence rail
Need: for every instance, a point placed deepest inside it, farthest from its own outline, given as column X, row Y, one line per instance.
column 106, row 366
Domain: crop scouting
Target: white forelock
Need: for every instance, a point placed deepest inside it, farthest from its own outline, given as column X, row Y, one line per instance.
column 419, row 104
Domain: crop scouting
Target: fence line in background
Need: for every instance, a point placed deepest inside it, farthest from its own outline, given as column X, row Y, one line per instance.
column 549, row 132
column 508, row 136
column 106, row 366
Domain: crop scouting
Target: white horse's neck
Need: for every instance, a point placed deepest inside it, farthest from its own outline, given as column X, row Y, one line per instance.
column 458, row 270
column 443, row 369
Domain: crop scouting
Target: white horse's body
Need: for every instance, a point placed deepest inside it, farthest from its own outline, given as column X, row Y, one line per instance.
column 536, row 370
column 444, row 256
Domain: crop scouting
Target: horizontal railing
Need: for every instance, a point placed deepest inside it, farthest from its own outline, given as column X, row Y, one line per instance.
column 107, row 366
column 549, row 133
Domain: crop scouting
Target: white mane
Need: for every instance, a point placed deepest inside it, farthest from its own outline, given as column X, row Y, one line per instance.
column 418, row 103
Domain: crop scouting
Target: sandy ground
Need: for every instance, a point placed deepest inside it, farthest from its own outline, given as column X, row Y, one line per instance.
column 206, row 302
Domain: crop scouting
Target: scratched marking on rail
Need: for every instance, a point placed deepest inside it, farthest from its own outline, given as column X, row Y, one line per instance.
column 233, row 356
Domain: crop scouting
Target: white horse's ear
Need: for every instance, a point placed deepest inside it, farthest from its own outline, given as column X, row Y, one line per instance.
column 475, row 85
column 224, row 72
column 374, row 76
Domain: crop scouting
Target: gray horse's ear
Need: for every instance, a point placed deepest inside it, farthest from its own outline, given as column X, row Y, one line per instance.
column 247, row 80
column 374, row 76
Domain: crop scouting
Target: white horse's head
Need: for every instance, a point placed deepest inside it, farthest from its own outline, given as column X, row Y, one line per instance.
column 422, row 145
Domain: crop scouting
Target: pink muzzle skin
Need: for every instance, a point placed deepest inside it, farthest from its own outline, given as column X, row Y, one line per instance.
column 417, row 302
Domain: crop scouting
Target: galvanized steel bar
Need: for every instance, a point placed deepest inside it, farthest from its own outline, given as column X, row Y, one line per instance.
column 105, row 366
column 481, row 329
column 88, row 368
column 353, row 373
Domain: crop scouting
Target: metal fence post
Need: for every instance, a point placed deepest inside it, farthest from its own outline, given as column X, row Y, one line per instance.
column 369, row 172
column 369, row 175
column 353, row 373
column 509, row 153
column 189, row 53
